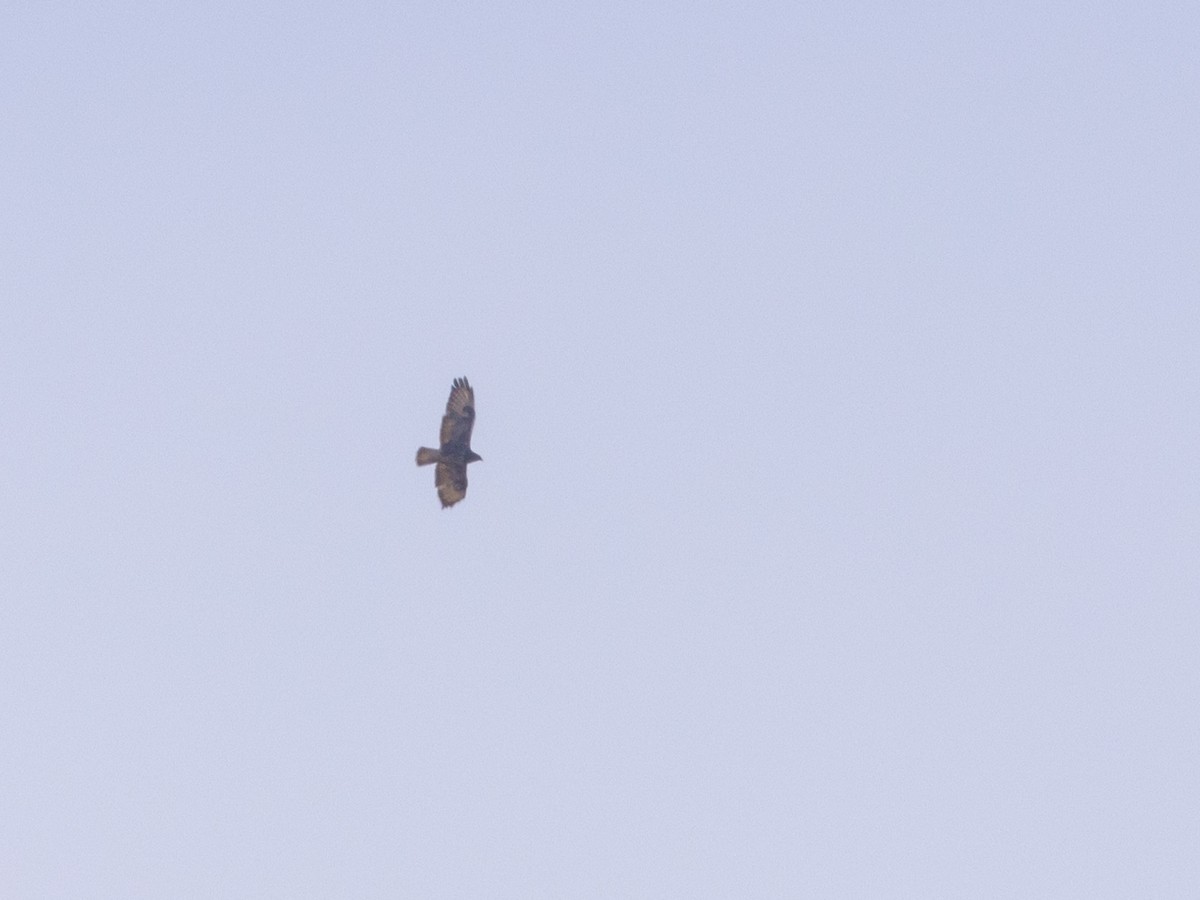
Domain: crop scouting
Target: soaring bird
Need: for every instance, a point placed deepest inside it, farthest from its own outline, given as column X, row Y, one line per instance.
column 452, row 458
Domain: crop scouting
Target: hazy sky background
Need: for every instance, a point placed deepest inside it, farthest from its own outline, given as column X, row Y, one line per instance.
column 837, row 380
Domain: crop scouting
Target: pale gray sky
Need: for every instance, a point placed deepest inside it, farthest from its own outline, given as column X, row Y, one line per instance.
column 837, row 374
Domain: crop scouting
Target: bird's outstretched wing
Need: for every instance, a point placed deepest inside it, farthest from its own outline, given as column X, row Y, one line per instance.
column 451, row 481
column 459, row 419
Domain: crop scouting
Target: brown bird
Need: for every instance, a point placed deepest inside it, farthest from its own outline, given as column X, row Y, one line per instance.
column 450, row 476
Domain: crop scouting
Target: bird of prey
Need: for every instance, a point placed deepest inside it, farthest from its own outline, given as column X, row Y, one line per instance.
column 452, row 457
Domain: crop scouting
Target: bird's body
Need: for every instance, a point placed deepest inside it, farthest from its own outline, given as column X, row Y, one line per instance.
column 455, row 453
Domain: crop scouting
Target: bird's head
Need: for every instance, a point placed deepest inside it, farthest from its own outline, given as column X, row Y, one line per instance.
column 472, row 456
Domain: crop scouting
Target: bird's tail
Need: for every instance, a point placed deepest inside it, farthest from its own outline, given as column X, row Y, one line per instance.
column 425, row 456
